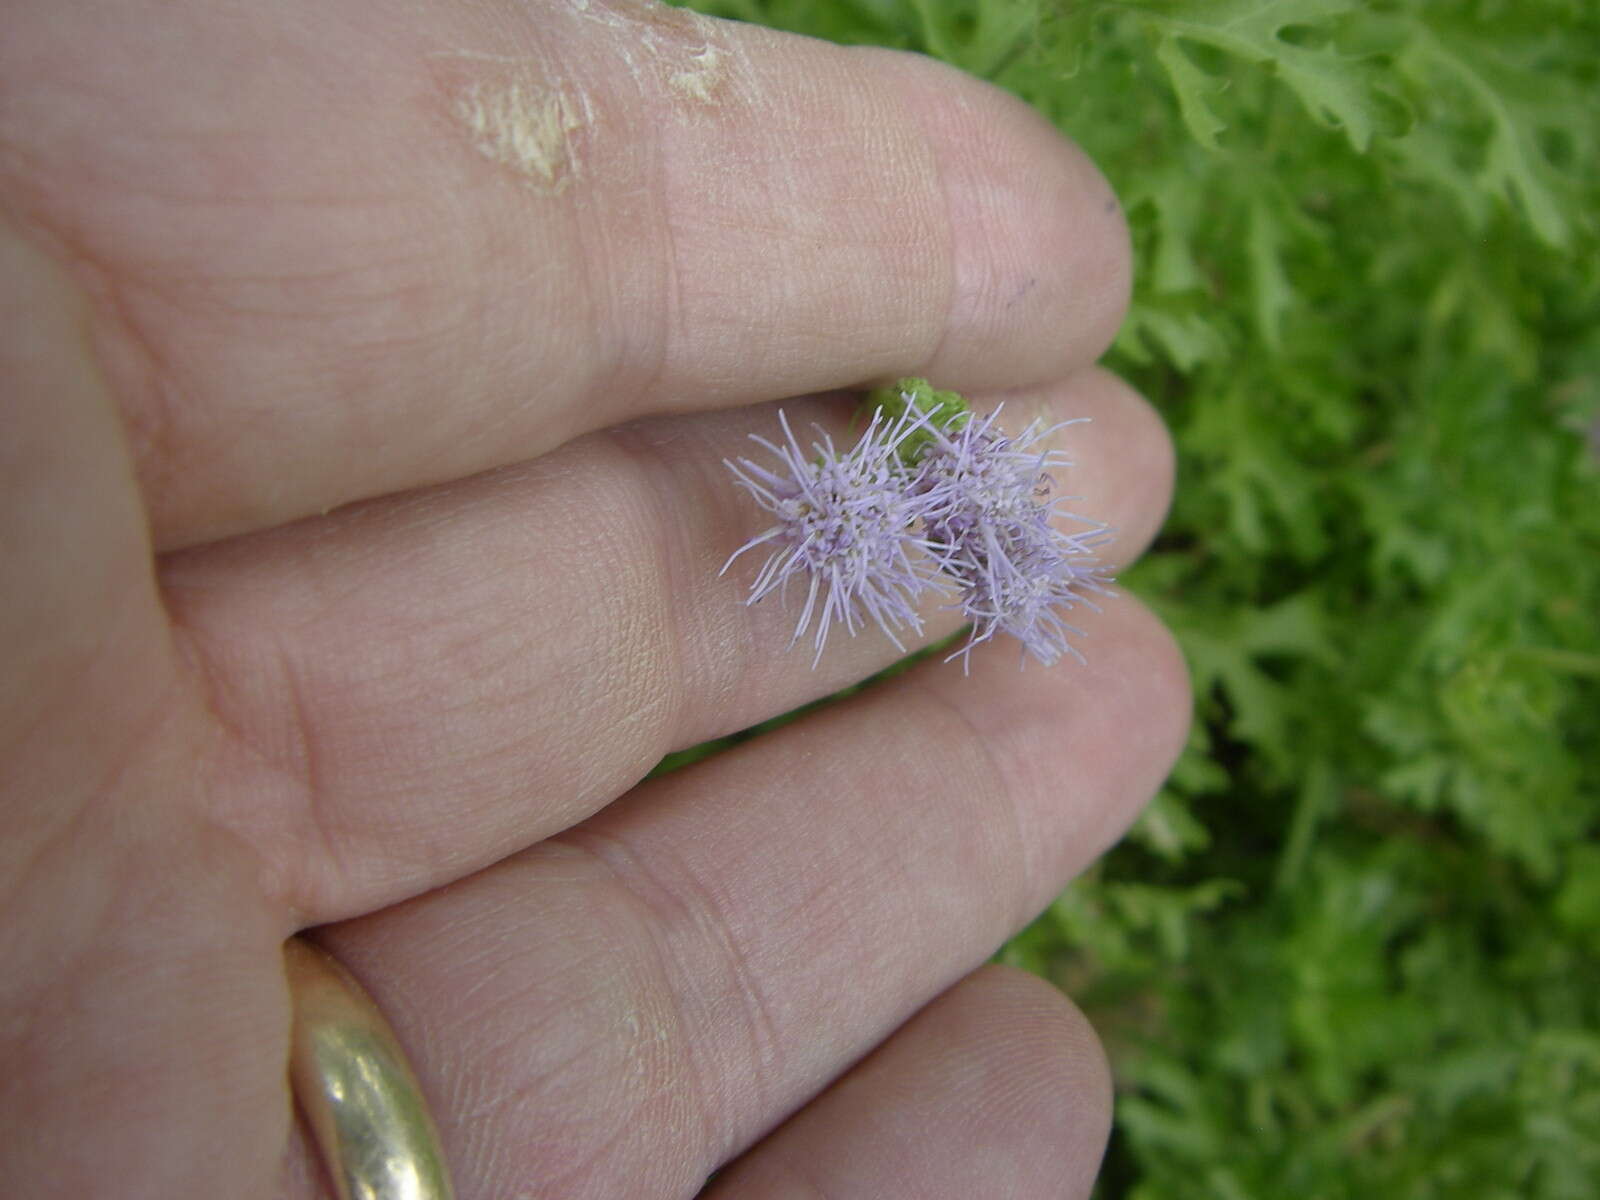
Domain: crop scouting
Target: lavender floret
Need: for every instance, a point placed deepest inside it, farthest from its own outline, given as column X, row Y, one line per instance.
column 848, row 524
column 988, row 515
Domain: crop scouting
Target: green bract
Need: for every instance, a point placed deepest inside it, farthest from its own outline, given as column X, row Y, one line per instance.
column 947, row 410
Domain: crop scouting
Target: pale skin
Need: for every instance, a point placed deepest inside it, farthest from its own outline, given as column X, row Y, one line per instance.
column 368, row 368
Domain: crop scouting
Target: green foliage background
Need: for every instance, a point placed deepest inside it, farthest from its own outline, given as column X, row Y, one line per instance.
column 1351, row 950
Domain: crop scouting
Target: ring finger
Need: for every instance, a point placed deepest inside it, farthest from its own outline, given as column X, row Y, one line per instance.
column 627, row 1006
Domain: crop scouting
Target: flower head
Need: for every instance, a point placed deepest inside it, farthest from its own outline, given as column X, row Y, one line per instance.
column 848, row 524
column 988, row 516
column 931, row 495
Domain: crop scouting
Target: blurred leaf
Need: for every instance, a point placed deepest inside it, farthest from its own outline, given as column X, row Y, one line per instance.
column 1352, row 949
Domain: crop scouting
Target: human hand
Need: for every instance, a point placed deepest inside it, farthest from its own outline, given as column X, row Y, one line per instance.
column 369, row 373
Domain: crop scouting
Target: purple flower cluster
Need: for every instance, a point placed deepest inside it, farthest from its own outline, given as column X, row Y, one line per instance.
column 848, row 524
column 926, row 500
column 987, row 513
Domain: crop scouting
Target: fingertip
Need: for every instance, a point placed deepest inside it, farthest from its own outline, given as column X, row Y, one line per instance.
column 1051, row 1054
column 1081, row 747
column 1123, row 458
column 997, row 1087
column 1041, row 259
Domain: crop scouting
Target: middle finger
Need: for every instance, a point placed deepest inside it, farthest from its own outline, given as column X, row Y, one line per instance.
column 435, row 680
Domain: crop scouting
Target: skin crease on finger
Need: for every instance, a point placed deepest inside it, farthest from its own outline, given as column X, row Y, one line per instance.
column 564, row 218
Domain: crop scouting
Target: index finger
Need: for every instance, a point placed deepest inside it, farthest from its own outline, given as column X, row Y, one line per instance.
column 342, row 251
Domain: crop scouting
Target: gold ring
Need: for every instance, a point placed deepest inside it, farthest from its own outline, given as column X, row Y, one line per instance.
column 356, row 1089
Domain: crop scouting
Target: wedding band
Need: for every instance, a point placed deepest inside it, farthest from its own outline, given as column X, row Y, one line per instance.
column 356, row 1089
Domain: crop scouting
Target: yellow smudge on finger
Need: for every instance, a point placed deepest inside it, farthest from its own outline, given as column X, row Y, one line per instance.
column 525, row 127
column 700, row 81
